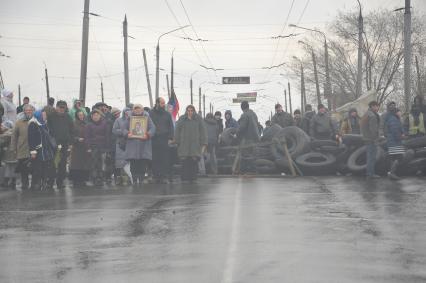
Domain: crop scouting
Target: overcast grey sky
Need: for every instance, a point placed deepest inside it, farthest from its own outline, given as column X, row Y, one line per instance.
column 239, row 31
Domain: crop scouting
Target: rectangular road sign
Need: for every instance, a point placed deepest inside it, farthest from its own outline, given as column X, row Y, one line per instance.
column 247, row 94
column 235, row 80
column 241, row 99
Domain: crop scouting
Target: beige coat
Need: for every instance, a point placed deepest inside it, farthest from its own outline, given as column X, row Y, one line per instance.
column 20, row 140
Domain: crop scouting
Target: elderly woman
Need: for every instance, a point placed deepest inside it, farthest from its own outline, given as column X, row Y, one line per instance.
column 120, row 132
column 139, row 148
column 20, row 147
column 8, row 105
column 42, row 151
column 191, row 138
column 80, row 161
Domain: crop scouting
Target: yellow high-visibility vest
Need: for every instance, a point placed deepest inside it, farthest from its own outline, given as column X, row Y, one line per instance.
column 420, row 128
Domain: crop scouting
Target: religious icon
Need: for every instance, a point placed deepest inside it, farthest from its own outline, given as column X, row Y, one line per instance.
column 138, row 126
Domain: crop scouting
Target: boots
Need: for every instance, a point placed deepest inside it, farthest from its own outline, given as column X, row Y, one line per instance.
column 392, row 173
column 25, row 182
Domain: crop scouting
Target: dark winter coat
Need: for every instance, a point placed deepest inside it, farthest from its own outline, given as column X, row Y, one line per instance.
column 370, row 124
column 39, row 141
column 306, row 121
column 220, row 124
column 283, row 119
column 61, row 127
column 190, row 136
column 322, row 126
column 231, row 122
column 212, row 131
column 248, row 127
column 140, row 149
column 98, row 135
column 119, row 130
column 350, row 125
column 79, row 158
column 163, row 122
column 394, row 130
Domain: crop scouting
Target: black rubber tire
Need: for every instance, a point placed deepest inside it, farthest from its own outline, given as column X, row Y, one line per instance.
column 320, row 143
column 353, row 163
column 420, row 152
column 316, row 163
column 227, row 137
column 297, row 142
column 415, row 142
column 412, row 167
column 332, row 149
column 224, row 169
column 270, row 132
column 353, row 140
column 263, row 152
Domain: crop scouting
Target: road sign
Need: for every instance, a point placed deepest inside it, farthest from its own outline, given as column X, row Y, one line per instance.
column 247, row 94
column 241, row 99
column 235, row 80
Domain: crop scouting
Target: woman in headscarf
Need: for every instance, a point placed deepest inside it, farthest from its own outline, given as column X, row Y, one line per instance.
column 120, row 132
column 42, row 151
column 8, row 105
column 139, row 149
column 80, row 161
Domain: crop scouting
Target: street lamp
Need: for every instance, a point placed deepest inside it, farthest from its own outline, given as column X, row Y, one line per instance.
column 327, row 89
column 157, row 69
column 302, row 86
column 314, row 61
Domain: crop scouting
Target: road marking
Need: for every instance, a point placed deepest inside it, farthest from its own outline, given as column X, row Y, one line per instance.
column 228, row 272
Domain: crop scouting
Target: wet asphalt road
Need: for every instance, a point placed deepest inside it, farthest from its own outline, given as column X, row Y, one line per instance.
column 327, row 229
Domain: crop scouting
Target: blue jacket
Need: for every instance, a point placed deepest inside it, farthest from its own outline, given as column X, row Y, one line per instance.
column 231, row 123
column 39, row 141
column 394, row 129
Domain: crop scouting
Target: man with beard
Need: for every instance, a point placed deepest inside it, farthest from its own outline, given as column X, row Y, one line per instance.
column 160, row 142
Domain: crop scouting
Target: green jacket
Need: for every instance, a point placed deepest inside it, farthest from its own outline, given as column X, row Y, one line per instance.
column 370, row 125
column 190, row 136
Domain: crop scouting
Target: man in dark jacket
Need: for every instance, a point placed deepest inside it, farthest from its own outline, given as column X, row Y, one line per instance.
column 370, row 124
column 161, row 167
column 212, row 140
column 248, row 133
column 20, row 108
column 306, row 120
column 61, row 127
column 350, row 125
column 322, row 127
column 219, row 120
column 229, row 121
column 281, row 117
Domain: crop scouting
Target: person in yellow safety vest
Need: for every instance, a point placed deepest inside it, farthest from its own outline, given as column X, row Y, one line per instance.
column 415, row 122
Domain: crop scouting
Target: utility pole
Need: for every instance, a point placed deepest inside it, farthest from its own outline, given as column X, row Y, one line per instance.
column 359, row 68
column 84, row 52
column 1, row 81
column 199, row 99
column 172, row 76
column 126, row 63
column 19, row 94
column 168, row 86
column 192, row 95
column 285, row 99
column 302, row 90
column 46, row 78
column 204, row 105
column 407, row 55
column 148, row 83
column 314, row 60
column 419, row 79
column 102, row 92
column 289, row 99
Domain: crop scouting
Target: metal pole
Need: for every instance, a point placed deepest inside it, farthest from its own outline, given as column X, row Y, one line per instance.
column 204, row 105
column 419, row 79
column 19, row 94
column 407, row 55
column 199, row 99
column 84, row 52
column 102, row 92
column 302, row 90
column 285, row 100
column 1, row 81
column 192, row 95
column 314, row 60
column 289, row 99
column 172, row 77
column 47, row 83
column 126, row 63
column 168, row 87
column 157, row 71
column 147, row 79
column 327, row 89
column 359, row 68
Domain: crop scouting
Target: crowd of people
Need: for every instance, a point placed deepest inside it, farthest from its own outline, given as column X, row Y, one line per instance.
column 44, row 147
